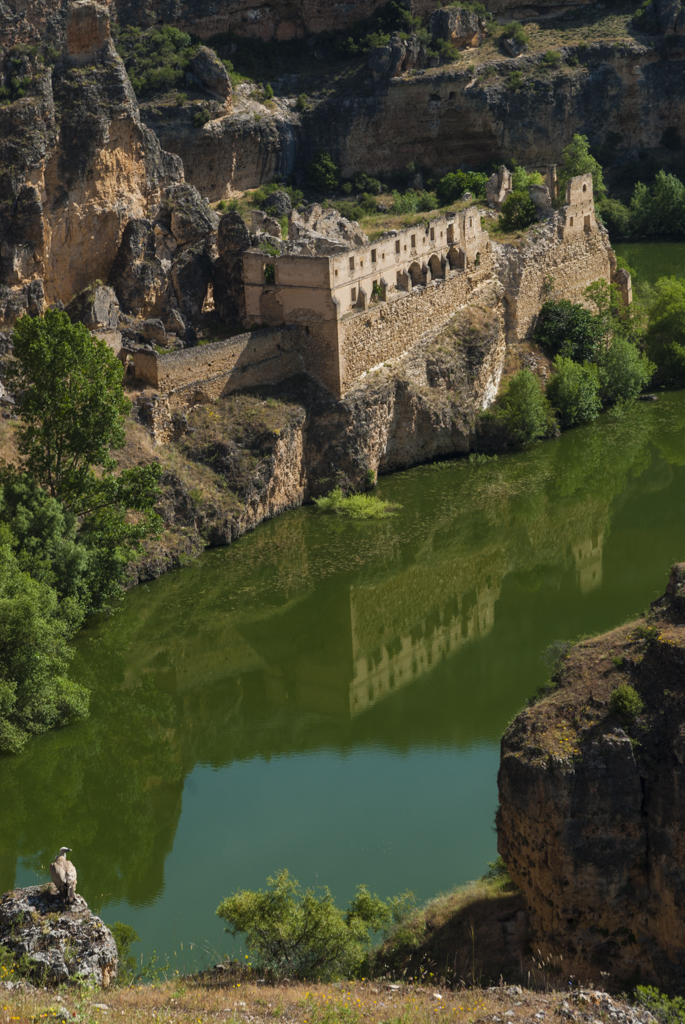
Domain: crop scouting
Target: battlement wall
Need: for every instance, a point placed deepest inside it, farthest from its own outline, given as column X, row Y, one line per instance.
column 211, row 371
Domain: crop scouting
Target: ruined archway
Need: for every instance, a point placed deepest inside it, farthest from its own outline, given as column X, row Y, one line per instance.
column 271, row 307
column 436, row 268
column 457, row 259
column 416, row 274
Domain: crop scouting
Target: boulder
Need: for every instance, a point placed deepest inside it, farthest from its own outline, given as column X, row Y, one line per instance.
column 96, row 306
column 191, row 217
column 397, row 57
column 211, row 73
column 191, row 275
column 277, row 204
column 233, row 239
column 153, row 330
column 137, row 275
column 513, row 48
column 266, row 225
column 457, row 25
column 498, row 187
column 61, row 940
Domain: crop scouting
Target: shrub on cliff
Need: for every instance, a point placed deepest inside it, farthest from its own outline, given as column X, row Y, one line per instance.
column 156, row 59
column 518, row 212
column 573, row 391
column 567, row 329
column 626, row 703
column 452, row 186
column 522, row 414
column 294, row 933
column 666, row 1009
column 323, row 173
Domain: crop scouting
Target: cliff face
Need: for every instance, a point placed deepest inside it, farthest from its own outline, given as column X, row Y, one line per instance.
column 444, row 118
column 591, row 820
column 78, row 164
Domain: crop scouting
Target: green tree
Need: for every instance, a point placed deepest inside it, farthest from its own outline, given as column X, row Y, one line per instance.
column 568, row 329
column 323, row 172
column 71, row 402
column 577, row 159
column 524, row 409
column 573, row 391
column 72, row 410
column 661, row 209
column 665, row 339
column 293, row 933
column 35, row 693
column 624, row 371
column 518, row 212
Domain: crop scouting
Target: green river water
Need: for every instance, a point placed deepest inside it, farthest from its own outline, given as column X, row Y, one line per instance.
column 328, row 696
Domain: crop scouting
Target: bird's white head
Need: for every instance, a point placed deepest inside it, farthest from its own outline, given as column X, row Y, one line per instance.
column 64, row 849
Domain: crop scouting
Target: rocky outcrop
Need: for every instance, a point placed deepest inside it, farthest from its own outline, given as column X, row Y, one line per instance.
column 232, row 152
column 166, row 263
column 210, row 73
column 78, row 165
column 591, row 821
column 314, row 223
column 60, row 941
column 458, row 25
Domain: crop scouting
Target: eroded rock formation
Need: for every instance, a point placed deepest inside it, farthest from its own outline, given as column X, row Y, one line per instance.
column 591, row 820
column 60, row 941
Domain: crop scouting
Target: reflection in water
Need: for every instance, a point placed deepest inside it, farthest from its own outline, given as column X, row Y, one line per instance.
column 316, row 637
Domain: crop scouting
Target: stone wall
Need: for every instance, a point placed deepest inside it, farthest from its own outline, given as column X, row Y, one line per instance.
column 208, row 372
column 386, row 330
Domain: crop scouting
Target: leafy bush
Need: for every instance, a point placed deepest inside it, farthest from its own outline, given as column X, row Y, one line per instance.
column 35, row 693
column 452, row 187
column 523, row 409
column 521, row 179
column 293, row 933
column 666, row 1009
column 518, row 212
column 551, row 59
column 573, row 391
column 365, row 183
column 515, row 81
column 626, row 703
column 616, row 216
column 514, row 30
column 259, row 197
column 645, row 19
column 665, row 339
column 624, row 371
column 568, row 329
column 302, row 103
column 125, row 935
column 356, row 506
column 156, row 59
column 268, row 91
column 202, row 117
column 323, row 173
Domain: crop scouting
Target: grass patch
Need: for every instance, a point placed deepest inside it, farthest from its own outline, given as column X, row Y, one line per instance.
column 355, row 506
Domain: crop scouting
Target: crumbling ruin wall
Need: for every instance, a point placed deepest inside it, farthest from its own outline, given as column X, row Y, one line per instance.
column 386, row 330
column 563, row 255
column 207, row 372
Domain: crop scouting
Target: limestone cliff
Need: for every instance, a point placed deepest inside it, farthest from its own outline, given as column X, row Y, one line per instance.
column 77, row 166
column 591, row 820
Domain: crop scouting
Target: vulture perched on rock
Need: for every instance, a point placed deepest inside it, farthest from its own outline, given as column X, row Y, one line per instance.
column 63, row 874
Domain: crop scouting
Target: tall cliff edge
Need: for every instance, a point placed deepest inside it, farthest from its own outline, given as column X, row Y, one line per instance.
column 592, row 821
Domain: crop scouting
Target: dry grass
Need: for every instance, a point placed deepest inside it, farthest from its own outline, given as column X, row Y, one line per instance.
column 473, row 935
column 8, row 442
column 189, row 1001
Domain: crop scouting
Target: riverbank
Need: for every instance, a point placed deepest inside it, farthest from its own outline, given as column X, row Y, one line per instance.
column 201, row 999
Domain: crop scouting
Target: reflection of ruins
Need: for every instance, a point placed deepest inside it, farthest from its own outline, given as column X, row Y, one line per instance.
column 588, row 558
column 396, row 662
